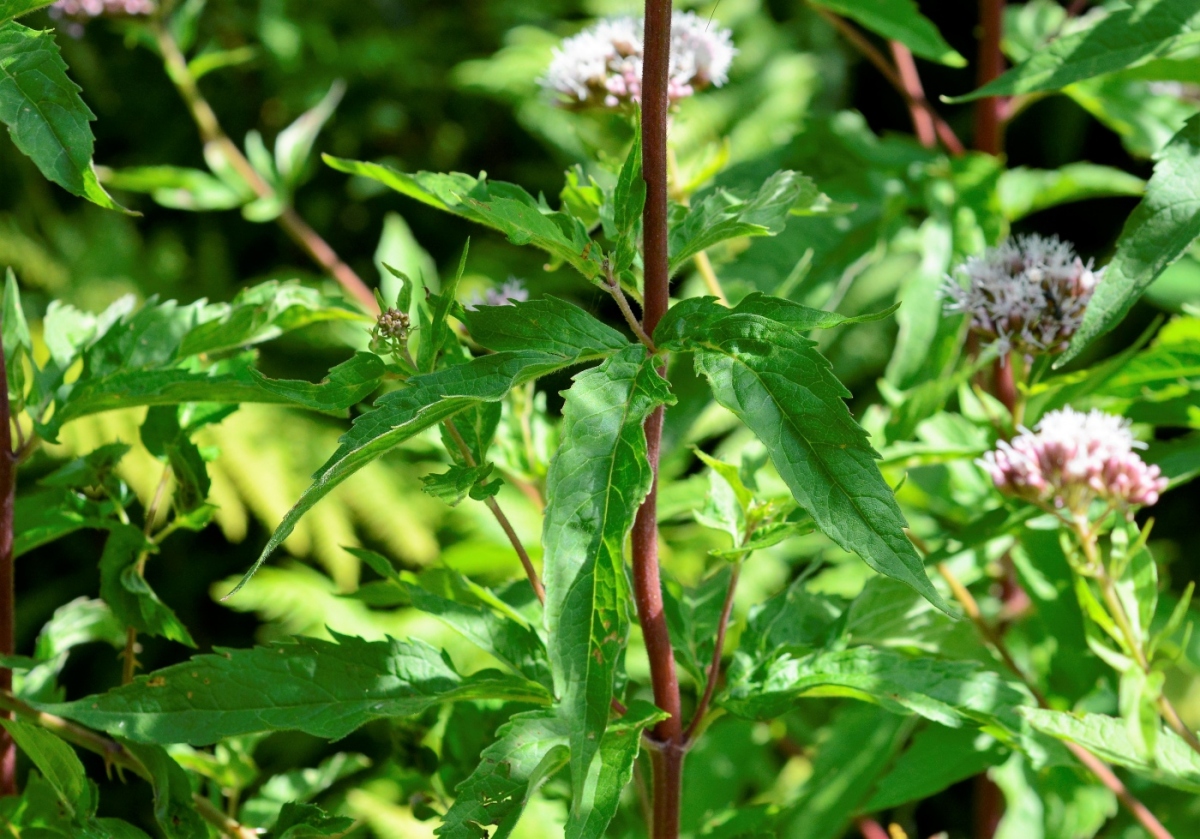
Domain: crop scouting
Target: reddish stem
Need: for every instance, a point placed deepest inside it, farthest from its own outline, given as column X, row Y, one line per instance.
column 1005, row 383
column 714, row 669
column 8, row 594
column 989, row 111
column 906, row 66
column 871, row 829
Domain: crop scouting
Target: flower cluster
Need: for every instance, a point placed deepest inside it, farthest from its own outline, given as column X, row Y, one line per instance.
column 391, row 332
column 1027, row 295
column 513, row 291
column 96, row 8
column 602, row 65
column 1074, row 459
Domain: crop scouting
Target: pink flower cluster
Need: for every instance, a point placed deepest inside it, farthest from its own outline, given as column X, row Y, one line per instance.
column 602, row 65
column 96, row 8
column 1074, row 459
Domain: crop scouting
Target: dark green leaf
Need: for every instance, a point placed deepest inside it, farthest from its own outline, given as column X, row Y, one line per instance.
column 439, row 334
column 628, row 200
column 937, row 758
column 58, row 763
column 128, row 594
column 596, row 482
column 546, row 325
column 45, row 116
column 1125, row 36
column 1159, row 231
column 173, row 809
column 324, row 688
column 308, row 821
column 298, row 785
column 42, row 517
column 899, row 20
column 347, row 384
column 10, row 9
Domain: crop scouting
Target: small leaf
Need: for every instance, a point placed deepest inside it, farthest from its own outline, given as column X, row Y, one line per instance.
column 308, row 821
column 324, row 688
column 58, row 763
column 899, row 20
column 18, row 345
column 173, row 808
column 628, row 200
column 46, row 119
column 1160, row 230
column 692, row 618
column 453, row 485
column 128, row 594
column 178, row 188
column 294, row 143
column 298, row 785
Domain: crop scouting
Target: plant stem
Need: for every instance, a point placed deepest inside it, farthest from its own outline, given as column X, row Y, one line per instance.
column 944, row 132
column 667, row 756
column 8, row 592
column 705, row 267
column 906, row 67
column 714, row 669
column 988, row 111
column 871, row 829
column 1097, row 767
column 211, row 132
column 614, row 287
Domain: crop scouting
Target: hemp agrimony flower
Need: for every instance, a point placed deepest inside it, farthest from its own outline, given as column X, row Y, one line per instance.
column 1027, row 295
column 1074, row 459
column 96, row 8
column 602, row 65
column 513, row 291
column 391, row 331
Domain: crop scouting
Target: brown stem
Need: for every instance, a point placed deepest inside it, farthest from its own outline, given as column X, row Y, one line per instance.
column 944, row 132
column 714, row 669
column 666, row 768
column 614, row 288
column 8, row 593
column 211, row 132
column 505, row 524
column 1098, row 767
column 906, row 67
column 989, row 111
column 1077, row 7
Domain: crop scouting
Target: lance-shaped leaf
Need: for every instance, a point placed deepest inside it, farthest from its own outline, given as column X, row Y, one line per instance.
column 1159, row 231
column 424, row 402
column 529, row 748
column 1173, row 762
column 347, row 384
column 899, row 20
column 597, row 480
column 46, row 118
column 777, row 383
column 1127, row 36
column 501, row 206
column 548, row 325
column 947, row 692
column 324, row 688
column 59, row 765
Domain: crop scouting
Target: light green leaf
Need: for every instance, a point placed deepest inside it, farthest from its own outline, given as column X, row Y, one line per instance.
column 596, row 482
column 178, row 187
column 18, row 346
column 1160, row 230
column 899, row 20
column 294, row 143
column 324, row 688
column 777, row 383
column 46, row 118
column 58, row 763
column 1124, row 37
column 1174, row 763
column 501, row 206
column 1023, row 191
column 529, row 748
column 128, row 594
column 173, row 808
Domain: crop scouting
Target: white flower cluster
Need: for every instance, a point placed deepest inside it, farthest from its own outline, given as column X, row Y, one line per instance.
column 1074, row 459
column 602, row 65
column 513, row 291
column 1028, row 294
column 96, row 8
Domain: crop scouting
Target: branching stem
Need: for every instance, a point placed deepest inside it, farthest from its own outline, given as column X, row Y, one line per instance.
column 714, row 669
column 614, row 288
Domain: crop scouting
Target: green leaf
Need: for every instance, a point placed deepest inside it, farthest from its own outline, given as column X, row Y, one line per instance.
column 1174, row 764
column 128, row 594
column 1159, row 231
column 58, row 763
column 611, row 772
column 18, row 345
column 777, row 383
column 1023, row 191
column 324, row 688
column 42, row 517
column 936, row 758
column 899, row 20
column 501, row 206
column 1125, row 36
column 46, row 119
column 178, row 187
column 347, row 384
column 692, row 618
column 628, row 200
column 308, row 821
column 427, row 400
column 438, row 333
column 793, row 621
column 453, row 485
column 948, row 692
column 10, row 9
column 529, row 748
column 546, row 325
column 166, row 439
column 298, row 785
column 173, row 808
column 295, row 143
column 597, row 480
column 722, row 214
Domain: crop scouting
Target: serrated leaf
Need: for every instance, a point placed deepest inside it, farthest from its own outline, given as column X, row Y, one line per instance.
column 46, row 118
column 1174, row 764
column 899, row 20
column 128, row 594
column 10, row 9
column 1159, row 231
column 547, row 325
column 453, row 485
column 324, row 688
column 347, row 384
column 427, row 400
column 1124, row 37
column 42, row 517
column 58, row 763
column 501, row 206
column 794, row 621
column 308, row 821
column 597, row 480
column 529, row 748
column 1023, row 191
column 775, row 381
column 173, row 808
column 628, row 200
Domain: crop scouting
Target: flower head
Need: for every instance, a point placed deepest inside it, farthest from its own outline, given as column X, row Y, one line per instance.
column 1074, row 459
column 513, row 291
column 1028, row 294
column 602, row 65
column 96, row 8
